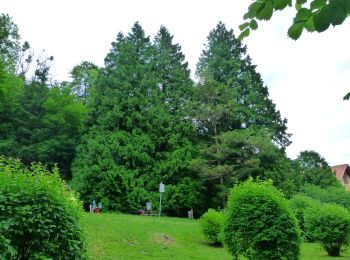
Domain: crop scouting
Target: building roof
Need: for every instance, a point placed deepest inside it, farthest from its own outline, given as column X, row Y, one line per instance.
column 339, row 170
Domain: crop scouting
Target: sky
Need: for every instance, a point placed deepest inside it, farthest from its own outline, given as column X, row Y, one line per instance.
column 307, row 78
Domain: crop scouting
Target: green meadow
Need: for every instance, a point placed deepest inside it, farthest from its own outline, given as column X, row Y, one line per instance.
column 119, row 236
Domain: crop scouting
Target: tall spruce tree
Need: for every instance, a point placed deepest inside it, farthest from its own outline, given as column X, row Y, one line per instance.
column 115, row 152
column 235, row 117
column 178, row 132
column 225, row 61
column 138, row 133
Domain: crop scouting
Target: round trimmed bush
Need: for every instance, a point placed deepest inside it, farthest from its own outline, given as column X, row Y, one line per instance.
column 298, row 204
column 259, row 223
column 211, row 224
column 330, row 225
column 39, row 217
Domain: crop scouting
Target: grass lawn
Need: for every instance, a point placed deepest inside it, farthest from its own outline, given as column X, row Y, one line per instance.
column 119, row 236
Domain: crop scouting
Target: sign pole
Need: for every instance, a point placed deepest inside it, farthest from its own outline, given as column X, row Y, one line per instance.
column 161, row 190
column 160, row 203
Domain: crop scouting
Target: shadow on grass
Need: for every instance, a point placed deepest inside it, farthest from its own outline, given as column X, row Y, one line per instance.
column 209, row 244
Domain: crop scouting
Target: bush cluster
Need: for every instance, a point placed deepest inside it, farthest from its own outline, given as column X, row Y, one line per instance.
column 211, row 223
column 298, row 204
column 39, row 217
column 332, row 194
column 330, row 225
column 259, row 223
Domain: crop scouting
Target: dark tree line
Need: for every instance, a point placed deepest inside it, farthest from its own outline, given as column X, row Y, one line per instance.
column 117, row 131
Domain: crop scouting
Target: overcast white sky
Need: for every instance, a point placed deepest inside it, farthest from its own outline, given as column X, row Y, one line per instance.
column 306, row 78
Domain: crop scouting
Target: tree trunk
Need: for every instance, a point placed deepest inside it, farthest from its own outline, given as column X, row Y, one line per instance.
column 219, row 163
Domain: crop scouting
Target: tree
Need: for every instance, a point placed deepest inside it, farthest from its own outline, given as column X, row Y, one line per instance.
column 9, row 42
column 44, row 126
column 175, row 147
column 259, row 223
column 115, row 152
column 83, row 76
column 238, row 125
column 311, row 159
column 11, row 91
column 315, row 170
column 236, row 156
column 19, row 58
column 138, row 134
column 225, row 67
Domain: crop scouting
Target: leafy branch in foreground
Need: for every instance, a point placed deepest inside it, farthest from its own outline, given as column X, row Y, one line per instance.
column 315, row 15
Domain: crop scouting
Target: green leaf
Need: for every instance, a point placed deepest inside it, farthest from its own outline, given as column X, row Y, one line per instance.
column 309, row 25
column 253, row 10
column 339, row 13
column 266, row 12
column 243, row 26
column 317, row 4
column 244, row 34
column 297, row 6
column 253, row 24
column 295, row 30
column 301, row 1
column 346, row 5
column 281, row 4
column 303, row 15
column 347, row 96
column 322, row 20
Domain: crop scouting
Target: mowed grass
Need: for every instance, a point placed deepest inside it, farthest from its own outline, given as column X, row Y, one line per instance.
column 119, row 236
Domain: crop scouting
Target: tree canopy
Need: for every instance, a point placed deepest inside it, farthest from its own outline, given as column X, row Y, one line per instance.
column 140, row 133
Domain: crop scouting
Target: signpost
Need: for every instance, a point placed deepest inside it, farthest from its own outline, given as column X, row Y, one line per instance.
column 161, row 190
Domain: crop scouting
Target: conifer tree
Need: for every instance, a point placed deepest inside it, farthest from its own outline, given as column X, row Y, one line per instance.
column 235, row 117
column 178, row 134
column 138, row 133
column 225, row 61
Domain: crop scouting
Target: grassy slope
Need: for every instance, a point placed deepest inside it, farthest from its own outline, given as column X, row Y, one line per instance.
column 118, row 236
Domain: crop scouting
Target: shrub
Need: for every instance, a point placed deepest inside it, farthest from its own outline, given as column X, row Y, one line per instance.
column 298, row 204
column 330, row 225
column 211, row 224
column 39, row 217
column 259, row 223
column 333, row 194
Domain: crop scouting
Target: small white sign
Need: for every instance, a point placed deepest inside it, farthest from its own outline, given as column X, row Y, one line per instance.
column 161, row 187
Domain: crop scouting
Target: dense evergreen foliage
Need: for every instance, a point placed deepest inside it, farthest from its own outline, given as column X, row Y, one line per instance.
column 139, row 133
column 41, row 124
column 241, row 132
